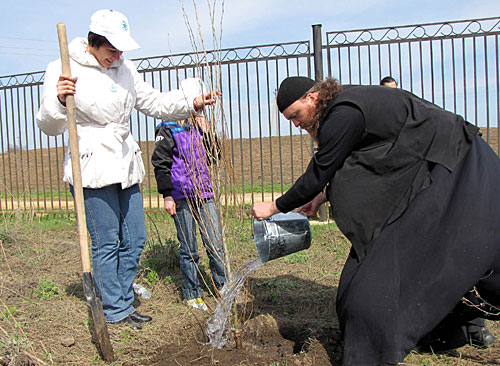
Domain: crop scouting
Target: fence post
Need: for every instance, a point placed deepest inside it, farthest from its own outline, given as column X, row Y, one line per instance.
column 318, row 76
column 317, row 52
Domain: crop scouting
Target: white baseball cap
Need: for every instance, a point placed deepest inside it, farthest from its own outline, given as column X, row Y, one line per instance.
column 114, row 26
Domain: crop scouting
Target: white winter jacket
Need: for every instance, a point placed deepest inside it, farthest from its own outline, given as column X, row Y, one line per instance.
column 104, row 99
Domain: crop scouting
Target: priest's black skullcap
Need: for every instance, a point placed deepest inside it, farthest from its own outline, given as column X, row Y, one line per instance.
column 291, row 89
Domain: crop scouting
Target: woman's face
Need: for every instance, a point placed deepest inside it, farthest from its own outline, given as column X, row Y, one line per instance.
column 106, row 54
column 301, row 112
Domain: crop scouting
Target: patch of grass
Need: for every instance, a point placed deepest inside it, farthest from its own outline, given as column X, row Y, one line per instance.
column 247, row 188
column 13, row 346
column 281, row 283
column 157, row 260
column 125, row 336
column 425, row 362
column 152, row 278
column 5, row 237
column 57, row 222
column 46, row 289
column 329, row 228
column 266, row 188
column 47, row 193
column 298, row 257
column 19, row 224
column 153, row 263
column 274, row 287
column 9, row 312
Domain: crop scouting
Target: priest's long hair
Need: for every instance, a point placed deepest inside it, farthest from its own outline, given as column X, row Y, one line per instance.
column 327, row 90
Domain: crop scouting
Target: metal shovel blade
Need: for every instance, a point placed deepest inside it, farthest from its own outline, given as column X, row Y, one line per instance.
column 98, row 327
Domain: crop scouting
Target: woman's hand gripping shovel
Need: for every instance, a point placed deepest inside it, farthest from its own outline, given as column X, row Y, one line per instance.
column 98, row 325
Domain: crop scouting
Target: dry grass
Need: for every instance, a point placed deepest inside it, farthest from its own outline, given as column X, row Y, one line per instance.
column 43, row 316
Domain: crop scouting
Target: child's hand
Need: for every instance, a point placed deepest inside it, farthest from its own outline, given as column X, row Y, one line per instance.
column 169, row 204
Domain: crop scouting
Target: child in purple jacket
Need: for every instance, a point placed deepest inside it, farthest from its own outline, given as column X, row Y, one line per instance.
column 181, row 163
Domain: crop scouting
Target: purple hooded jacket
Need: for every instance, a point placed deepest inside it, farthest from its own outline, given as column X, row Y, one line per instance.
column 180, row 161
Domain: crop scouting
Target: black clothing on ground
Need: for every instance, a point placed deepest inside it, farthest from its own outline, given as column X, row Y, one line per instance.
column 421, row 265
column 413, row 188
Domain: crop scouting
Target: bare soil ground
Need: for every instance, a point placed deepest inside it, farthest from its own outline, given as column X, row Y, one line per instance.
column 287, row 310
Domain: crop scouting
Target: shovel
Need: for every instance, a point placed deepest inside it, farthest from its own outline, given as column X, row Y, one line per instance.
column 98, row 325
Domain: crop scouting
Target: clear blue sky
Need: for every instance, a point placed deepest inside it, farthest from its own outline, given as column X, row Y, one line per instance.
column 28, row 37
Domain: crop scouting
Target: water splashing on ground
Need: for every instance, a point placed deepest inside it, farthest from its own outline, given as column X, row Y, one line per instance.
column 216, row 325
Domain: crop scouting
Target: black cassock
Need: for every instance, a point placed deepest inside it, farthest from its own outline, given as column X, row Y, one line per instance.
column 415, row 190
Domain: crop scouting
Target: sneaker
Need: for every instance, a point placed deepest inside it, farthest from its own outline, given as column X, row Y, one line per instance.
column 197, row 303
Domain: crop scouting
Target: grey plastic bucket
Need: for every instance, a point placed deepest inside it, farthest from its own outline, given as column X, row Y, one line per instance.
column 281, row 234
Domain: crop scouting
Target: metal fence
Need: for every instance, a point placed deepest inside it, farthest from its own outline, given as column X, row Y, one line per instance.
column 266, row 152
column 453, row 64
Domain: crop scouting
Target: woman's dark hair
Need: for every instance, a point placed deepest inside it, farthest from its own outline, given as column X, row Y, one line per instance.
column 327, row 90
column 96, row 41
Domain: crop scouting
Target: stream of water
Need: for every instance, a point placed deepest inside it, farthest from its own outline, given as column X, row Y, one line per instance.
column 216, row 325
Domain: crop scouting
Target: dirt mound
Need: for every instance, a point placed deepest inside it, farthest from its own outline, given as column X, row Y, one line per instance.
column 262, row 344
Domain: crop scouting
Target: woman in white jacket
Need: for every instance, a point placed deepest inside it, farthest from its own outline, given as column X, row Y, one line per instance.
column 108, row 88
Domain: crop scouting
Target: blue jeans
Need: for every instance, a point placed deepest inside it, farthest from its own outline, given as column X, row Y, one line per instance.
column 115, row 221
column 202, row 212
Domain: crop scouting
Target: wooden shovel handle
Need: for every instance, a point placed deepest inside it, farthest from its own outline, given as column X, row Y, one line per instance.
column 75, row 154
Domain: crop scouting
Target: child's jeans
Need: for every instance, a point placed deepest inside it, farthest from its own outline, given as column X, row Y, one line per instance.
column 188, row 214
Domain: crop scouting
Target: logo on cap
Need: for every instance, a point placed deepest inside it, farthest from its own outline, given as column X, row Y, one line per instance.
column 124, row 26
